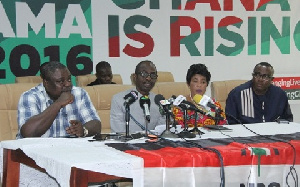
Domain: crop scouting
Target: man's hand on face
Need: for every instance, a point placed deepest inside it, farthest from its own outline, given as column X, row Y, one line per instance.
column 65, row 98
column 75, row 128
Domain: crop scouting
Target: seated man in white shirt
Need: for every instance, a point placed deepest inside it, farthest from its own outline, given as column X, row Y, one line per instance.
column 145, row 77
column 56, row 108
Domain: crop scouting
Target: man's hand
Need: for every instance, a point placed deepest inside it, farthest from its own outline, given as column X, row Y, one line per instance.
column 75, row 128
column 65, row 98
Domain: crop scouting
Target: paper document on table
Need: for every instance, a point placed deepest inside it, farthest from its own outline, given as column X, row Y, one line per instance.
column 161, row 128
column 217, row 127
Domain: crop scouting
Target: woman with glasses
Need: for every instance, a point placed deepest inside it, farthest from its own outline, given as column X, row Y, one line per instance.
column 197, row 79
column 258, row 100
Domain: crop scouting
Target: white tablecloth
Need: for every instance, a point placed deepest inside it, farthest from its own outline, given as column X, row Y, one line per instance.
column 96, row 156
column 68, row 152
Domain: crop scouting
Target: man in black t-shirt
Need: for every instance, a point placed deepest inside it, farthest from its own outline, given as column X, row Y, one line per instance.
column 103, row 73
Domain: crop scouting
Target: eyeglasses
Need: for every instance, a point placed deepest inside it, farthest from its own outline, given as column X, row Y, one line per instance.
column 262, row 76
column 144, row 74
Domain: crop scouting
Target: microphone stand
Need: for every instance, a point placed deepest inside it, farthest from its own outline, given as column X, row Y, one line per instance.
column 218, row 116
column 167, row 133
column 184, row 120
column 185, row 133
column 127, row 119
column 195, row 130
column 146, row 127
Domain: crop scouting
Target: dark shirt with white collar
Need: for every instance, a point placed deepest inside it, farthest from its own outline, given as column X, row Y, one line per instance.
column 248, row 107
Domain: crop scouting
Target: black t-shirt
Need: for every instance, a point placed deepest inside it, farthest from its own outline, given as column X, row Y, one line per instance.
column 97, row 82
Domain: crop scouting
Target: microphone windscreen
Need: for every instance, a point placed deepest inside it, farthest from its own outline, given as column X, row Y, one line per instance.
column 179, row 100
column 197, row 98
column 158, row 98
column 134, row 94
column 130, row 97
column 144, row 100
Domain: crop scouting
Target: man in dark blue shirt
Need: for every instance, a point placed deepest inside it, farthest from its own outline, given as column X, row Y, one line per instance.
column 258, row 100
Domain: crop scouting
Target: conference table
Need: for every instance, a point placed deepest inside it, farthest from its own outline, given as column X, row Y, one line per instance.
column 262, row 154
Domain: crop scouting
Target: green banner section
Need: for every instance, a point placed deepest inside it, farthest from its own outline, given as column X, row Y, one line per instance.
column 34, row 32
column 293, row 94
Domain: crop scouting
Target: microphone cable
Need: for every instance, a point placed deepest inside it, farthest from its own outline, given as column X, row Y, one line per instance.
column 292, row 172
column 246, row 144
column 136, row 122
column 140, row 125
column 217, row 152
column 219, row 155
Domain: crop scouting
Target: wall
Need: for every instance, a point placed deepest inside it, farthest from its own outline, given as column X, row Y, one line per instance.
column 229, row 38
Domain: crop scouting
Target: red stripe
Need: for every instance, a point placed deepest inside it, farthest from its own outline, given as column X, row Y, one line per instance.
column 287, row 83
column 232, row 155
column 263, row 2
column 114, row 46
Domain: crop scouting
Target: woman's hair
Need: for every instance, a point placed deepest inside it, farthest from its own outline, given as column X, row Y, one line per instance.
column 200, row 69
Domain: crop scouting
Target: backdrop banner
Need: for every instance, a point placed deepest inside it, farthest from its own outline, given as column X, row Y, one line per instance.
column 230, row 37
column 291, row 85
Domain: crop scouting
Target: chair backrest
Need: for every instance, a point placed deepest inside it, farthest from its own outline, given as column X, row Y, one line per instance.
column 221, row 89
column 168, row 89
column 163, row 76
column 9, row 98
column 29, row 79
column 101, row 96
column 83, row 80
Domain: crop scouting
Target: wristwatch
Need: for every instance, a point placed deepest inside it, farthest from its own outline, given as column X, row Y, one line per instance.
column 85, row 131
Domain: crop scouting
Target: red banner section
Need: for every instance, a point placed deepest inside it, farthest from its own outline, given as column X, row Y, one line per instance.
column 234, row 154
column 291, row 85
column 287, row 83
column 265, row 150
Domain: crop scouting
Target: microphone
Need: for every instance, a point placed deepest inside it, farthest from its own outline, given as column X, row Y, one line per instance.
column 161, row 100
column 130, row 98
column 186, row 105
column 179, row 101
column 158, row 99
column 205, row 101
column 163, row 103
column 145, row 105
column 164, row 109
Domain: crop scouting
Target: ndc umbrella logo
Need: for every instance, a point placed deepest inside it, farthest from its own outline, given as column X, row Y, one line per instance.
column 259, row 152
